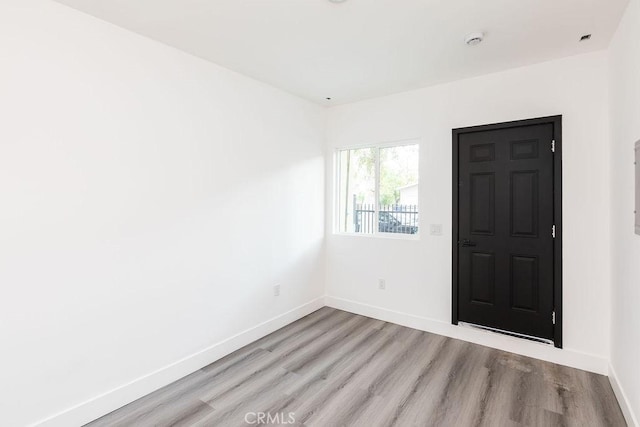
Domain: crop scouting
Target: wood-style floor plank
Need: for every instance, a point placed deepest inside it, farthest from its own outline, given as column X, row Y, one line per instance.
column 334, row 368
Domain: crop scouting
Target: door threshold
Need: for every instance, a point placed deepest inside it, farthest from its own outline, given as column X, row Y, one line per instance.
column 509, row 333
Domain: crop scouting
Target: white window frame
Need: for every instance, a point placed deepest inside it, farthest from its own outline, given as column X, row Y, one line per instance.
column 336, row 190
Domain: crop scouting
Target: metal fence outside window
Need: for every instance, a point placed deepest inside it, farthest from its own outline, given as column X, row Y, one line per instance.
column 392, row 218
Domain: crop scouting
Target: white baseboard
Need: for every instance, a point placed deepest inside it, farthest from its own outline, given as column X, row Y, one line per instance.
column 567, row 357
column 103, row 404
column 627, row 410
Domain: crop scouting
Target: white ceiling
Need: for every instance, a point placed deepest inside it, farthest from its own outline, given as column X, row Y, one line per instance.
column 365, row 48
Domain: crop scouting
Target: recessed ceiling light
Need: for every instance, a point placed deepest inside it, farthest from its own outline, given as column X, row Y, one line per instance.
column 474, row 39
column 585, row 37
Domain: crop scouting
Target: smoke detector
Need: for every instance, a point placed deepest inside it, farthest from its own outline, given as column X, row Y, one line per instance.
column 474, row 39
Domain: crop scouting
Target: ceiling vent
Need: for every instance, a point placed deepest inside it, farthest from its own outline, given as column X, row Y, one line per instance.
column 474, row 39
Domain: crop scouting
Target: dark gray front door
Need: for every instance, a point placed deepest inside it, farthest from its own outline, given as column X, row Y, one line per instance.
column 505, row 226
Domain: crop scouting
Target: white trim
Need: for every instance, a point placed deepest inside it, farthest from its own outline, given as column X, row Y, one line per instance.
column 383, row 235
column 376, row 190
column 335, row 192
column 385, row 144
column 623, row 401
column 567, row 357
column 103, row 404
column 636, row 189
column 113, row 399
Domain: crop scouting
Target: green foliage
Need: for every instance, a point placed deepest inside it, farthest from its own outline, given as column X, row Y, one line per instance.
column 398, row 168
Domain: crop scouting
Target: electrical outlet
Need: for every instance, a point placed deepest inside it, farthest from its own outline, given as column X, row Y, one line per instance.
column 276, row 291
column 382, row 285
column 435, row 229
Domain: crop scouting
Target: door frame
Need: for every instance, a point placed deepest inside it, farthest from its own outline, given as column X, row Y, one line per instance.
column 556, row 121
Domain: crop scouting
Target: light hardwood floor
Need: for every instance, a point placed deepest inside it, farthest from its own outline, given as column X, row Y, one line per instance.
column 334, row 368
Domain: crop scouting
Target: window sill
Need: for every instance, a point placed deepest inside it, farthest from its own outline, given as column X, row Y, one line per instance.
column 390, row 236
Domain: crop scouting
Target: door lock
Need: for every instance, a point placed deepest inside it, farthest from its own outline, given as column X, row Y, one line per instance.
column 466, row 243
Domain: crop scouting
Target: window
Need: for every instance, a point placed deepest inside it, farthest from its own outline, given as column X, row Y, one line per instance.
column 377, row 190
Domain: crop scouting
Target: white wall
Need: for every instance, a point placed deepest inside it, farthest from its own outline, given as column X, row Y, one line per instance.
column 624, row 80
column 149, row 201
column 418, row 273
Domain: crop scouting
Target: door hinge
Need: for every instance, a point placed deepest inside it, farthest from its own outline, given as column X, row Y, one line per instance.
column 553, row 317
column 553, row 231
column 553, row 146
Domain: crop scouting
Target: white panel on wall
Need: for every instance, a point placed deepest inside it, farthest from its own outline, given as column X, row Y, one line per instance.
column 624, row 101
column 637, row 164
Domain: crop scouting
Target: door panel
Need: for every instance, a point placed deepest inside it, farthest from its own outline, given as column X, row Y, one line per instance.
column 524, row 149
column 524, row 283
column 482, row 277
column 505, row 213
column 482, row 153
column 524, row 200
column 482, row 203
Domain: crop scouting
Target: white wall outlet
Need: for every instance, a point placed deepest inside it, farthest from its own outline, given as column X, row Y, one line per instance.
column 435, row 229
column 382, row 284
column 276, row 291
